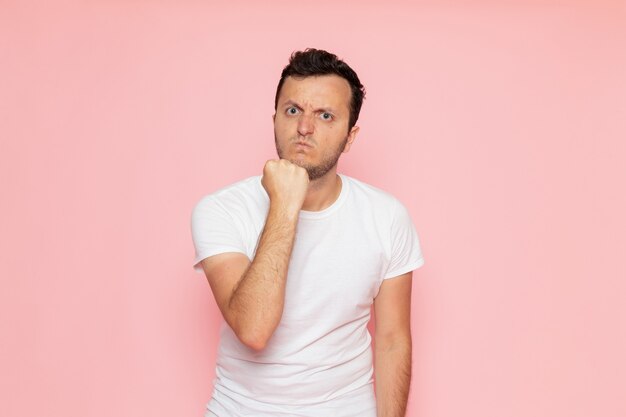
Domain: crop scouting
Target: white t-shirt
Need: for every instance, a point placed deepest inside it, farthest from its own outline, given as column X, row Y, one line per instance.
column 318, row 362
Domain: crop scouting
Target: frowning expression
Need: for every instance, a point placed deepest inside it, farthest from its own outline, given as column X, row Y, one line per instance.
column 311, row 122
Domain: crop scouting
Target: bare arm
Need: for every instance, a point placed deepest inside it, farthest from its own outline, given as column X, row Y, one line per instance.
column 251, row 295
column 258, row 298
column 392, row 310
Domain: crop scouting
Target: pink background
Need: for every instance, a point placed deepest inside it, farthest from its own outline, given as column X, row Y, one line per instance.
column 500, row 125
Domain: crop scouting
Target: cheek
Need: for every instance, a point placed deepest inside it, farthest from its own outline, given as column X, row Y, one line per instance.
column 284, row 125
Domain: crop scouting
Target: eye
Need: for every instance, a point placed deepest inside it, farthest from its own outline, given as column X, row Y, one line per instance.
column 289, row 110
column 327, row 116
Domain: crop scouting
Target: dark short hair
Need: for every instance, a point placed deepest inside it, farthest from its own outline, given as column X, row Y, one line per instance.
column 319, row 62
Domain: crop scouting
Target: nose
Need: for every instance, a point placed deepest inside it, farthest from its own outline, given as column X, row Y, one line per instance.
column 305, row 125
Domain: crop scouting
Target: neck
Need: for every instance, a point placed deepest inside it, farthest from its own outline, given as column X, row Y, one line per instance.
column 322, row 192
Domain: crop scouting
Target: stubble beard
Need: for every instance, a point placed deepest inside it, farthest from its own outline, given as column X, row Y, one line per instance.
column 315, row 171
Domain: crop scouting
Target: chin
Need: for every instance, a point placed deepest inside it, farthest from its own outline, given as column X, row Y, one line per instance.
column 299, row 162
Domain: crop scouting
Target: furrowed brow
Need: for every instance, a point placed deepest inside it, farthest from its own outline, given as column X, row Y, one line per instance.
column 293, row 103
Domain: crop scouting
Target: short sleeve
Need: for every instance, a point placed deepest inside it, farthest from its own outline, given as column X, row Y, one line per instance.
column 406, row 252
column 213, row 231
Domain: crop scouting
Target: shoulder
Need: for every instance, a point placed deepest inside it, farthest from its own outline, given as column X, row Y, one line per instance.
column 239, row 193
column 374, row 197
column 247, row 188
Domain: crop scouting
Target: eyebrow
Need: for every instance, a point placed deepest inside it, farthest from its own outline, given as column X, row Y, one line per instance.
column 326, row 109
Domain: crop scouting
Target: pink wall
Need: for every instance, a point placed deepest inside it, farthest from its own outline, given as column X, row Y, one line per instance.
column 501, row 126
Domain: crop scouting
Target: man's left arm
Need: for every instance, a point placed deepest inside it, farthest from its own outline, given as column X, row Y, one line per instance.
column 392, row 311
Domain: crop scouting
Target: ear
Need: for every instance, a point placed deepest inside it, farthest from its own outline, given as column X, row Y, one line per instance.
column 351, row 137
column 274, row 117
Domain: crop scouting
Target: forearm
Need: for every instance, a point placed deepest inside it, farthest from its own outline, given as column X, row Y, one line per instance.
column 258, row 298
column 393, row 378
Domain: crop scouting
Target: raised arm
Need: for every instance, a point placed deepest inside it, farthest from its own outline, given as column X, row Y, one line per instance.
column 251, row 295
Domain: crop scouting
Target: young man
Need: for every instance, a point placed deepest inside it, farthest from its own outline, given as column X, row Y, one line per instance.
column 295, row 259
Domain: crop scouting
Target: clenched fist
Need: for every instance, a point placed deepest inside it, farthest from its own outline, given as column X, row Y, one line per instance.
column 286, row 184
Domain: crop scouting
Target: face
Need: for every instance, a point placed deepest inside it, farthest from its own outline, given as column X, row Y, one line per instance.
column 311, row 122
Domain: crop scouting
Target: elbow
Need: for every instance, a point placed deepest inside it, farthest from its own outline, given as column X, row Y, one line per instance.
column 386, row 343
column 255, row 334
column 252, row 336
column 256, row 346
column 254, row 342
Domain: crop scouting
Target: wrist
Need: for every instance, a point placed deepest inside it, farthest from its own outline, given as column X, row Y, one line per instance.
column 284, row 210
